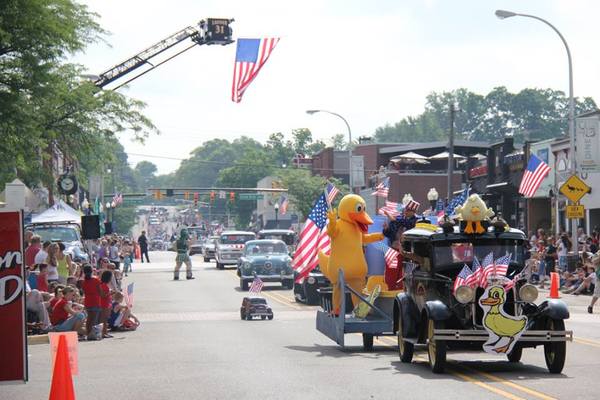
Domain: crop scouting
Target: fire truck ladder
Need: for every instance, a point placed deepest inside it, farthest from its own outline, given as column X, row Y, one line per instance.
column 211, row 31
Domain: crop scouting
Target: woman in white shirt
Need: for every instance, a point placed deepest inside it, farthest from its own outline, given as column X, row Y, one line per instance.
column 52, row 262
column 563, row 247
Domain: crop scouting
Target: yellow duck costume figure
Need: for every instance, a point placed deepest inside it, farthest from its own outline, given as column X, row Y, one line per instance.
column 473, row 212
column 498, row 323
column 347, row 229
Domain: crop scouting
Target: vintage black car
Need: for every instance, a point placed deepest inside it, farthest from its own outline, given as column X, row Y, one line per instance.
column 255, row 307
column 431, row 313
column 306, row 291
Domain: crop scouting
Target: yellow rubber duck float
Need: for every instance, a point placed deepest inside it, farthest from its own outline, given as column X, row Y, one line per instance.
column 499, row 324
column 347, row 228
column 473, row 212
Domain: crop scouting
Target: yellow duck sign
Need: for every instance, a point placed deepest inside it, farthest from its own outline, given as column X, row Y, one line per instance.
column 504, row 329
column 473, row 212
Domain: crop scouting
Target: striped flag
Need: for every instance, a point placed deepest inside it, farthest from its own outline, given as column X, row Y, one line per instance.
column 496, row 268
column 256, row 286
column 389, row 254
column 128, row 295
column 488, row 261
column 391, row 208
column 457, row 201
column 439, row 208
column 533, row 176
column 331, row 191
column 283, row 204
column 313, row 238
column 475, row 277
column 383, row 189
column 250, row 56
column 461, row 278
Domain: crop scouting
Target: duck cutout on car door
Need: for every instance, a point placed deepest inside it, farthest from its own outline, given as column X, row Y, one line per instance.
column 504, row 330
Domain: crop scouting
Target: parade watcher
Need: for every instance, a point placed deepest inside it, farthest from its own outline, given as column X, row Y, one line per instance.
column 143, row 242
column 596, row 293
column 113, row 254
column 65, row 265
column 52, row 262
column 55, row 288
column 103, row 250
column 32, row 250
column 42, row 277
column 64, row 316
column 34, row 301
column 585, row 283
column 91, row 291
column 127, row 254
column 42, row 255
column 121, row 318
column 550, row 254
column 563, row 248
column 27, row 238
column 105, row 301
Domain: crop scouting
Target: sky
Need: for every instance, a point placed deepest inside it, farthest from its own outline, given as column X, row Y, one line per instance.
column 373, row 62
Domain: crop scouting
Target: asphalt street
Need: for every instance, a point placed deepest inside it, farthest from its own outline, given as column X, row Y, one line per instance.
column 193, row 345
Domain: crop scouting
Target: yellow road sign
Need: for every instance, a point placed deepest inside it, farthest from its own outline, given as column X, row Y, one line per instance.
column 575, row 212
column 574, row 188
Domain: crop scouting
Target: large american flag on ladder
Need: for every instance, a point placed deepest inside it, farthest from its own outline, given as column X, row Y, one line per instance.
column 533, row 176
column 313, row 238
column 250, row 56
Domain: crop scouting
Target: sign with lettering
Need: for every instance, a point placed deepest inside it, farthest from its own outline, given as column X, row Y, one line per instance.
column 575, row 212
column 588, row 143
column 13, row 345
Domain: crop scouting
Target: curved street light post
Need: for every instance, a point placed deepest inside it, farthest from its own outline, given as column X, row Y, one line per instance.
column 503, row 14
column 311, row 112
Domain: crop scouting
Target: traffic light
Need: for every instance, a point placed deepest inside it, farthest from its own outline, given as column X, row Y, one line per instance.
column 232, row 196
column 169, row 192
column 195, row 199
column 157, row 194
column 186, row 195
column 212, row 197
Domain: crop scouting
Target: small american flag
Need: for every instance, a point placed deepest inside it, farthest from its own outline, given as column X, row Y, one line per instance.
column 331, row 192
column 497, row 268
column 533, row 176
column 461, row 278
column 457, row 201
column 256, row 286
column 475, row 277
column 392, row 208
column 313, row 238
column 128, row 295
column 250, row 56
column 283, row 204
column 389, row 254
column 488, row 261
column 383, row 189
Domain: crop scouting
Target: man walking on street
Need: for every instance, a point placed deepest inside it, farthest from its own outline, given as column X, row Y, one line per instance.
column 143, row 242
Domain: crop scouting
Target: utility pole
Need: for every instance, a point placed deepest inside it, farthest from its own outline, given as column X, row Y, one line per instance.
column 451, row 150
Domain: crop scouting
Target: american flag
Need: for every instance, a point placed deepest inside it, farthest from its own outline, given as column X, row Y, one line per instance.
column 488, row 261
column 283, row 204
column 391, row 208
column 457, row 201
column 250, row 56
column 475, row 277
column 256, row 286
column 313, row 238
column 498, row 268
column 117, row 199
column 128, row 295
column 461, row 278
column 512, row 282
column 331, row 191
column 389, row 254
column 533, row 176
column 383, row 189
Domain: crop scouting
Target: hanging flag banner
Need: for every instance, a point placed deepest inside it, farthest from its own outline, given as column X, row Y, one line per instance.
column 13, row 339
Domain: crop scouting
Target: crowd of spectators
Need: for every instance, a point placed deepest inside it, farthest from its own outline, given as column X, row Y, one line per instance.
column 86, row 297
column 548, row 253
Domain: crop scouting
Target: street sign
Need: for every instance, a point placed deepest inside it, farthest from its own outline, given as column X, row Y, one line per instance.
column 251, row 196
column 575, row 212
column 132, row 201
column 574, row 188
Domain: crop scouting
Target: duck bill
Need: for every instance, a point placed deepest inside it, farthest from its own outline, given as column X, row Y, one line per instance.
column 362, row 220
column 490, row 302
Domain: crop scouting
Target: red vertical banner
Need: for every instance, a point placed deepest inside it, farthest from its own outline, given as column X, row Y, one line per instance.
column 13, row 335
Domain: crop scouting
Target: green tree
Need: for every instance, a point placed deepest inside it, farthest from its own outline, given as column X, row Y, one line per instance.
column 146, row 173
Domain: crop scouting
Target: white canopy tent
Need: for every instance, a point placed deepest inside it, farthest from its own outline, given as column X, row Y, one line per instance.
column 410, row 157
column 445, row 155
column 59, row 212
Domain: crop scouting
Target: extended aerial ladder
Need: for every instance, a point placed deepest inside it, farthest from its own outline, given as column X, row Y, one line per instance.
column 207, row 32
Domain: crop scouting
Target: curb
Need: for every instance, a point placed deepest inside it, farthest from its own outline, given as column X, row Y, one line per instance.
column 37, row 339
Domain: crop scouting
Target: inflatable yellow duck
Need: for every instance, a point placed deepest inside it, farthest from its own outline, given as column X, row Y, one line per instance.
column 473, row 212
column 499, row 323
column 347, row 229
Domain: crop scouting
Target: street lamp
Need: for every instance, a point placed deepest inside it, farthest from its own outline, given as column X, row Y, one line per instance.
column 433, row 197
column 85, row 204
column 108, row 206
column 276, row 207
column 503, row 14
column 311, row 112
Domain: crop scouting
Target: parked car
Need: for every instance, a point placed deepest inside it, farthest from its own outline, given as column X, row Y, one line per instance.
column 288, row 236
column 196, row 236
column 306, row 291
column 208, row 248
column 67, row 233
column 255, row 307
column 230, row 246
column 267, row 260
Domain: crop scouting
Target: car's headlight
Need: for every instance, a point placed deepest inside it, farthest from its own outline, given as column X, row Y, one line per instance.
column 247, row 265
column 528, row 293
column 464, row 294
column 311, row 280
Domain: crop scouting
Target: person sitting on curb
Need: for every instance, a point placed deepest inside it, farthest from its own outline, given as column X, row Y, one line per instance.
column 64, row 317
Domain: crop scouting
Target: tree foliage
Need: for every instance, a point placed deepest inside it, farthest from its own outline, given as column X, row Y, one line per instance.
column 531, row 114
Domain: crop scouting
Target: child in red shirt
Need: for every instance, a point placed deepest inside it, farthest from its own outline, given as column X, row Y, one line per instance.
column 64, row 318
column 105, row 302
column 91, row 291
column 42, row 278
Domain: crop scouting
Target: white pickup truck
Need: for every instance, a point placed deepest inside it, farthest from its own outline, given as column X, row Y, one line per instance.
column 230, row 246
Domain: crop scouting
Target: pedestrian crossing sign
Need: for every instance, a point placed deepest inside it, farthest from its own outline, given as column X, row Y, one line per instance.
column 574, row 188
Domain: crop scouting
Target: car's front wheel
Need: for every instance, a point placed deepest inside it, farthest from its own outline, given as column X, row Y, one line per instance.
column 287, row 283
column 206, row 259
column 405, row 349
column 244, row 285
column 555, row 353
column 515, row 355
column 436, row 349
column 367, row 341
column 242, row 314
column 270, row 316
column 219, row 265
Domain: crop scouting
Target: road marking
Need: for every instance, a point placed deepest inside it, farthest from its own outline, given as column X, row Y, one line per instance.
column 196, row 316
column 274, row 296
column 477, row 382
column 588, row 342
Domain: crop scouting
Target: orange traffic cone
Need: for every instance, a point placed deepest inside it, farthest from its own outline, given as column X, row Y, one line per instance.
column 62, row 381
column 138, row 253
column 554, row 284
